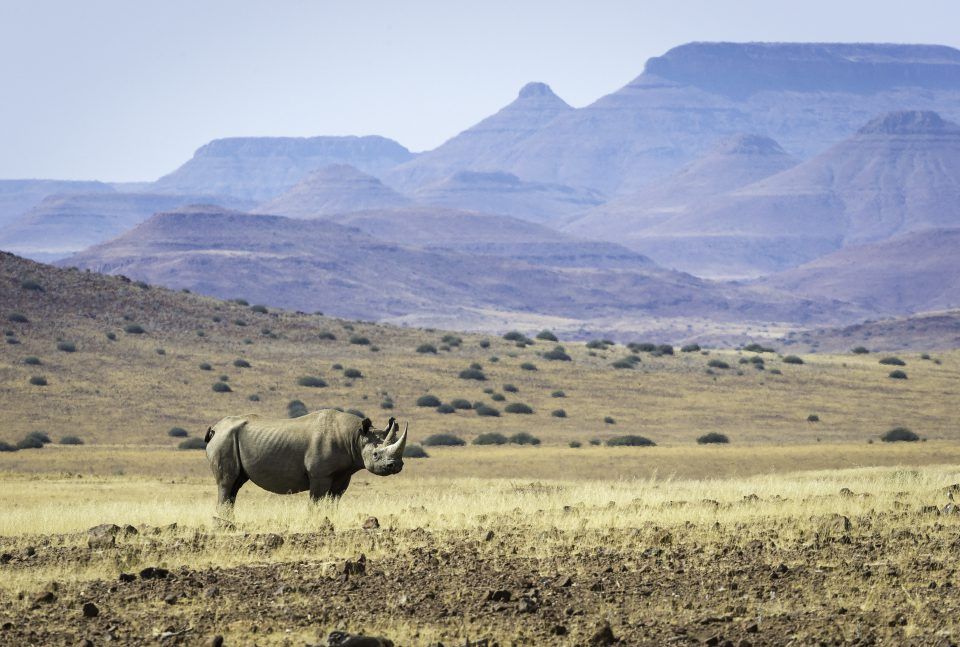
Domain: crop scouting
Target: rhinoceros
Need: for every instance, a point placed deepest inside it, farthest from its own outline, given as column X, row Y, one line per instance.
column 318, row 452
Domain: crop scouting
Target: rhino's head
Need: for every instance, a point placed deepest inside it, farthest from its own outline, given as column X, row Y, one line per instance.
column 383, row 452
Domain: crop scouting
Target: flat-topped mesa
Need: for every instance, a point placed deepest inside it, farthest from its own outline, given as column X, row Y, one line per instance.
column 747, row 144
column 910, row 122
column 741, row 69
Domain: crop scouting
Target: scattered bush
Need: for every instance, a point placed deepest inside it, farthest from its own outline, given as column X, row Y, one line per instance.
column 460, row 403
column 112, row 336
column 192, row 443
column 813, row 418
column 415, row 451
column 253, row 397
column 67, row 347
column 428, row 401
column 718, row 363
column 558, row 394
column 630, row 440
column 690, row 348
column 558, row 413
column 523, row 438
column 776, row 371
column 71, row 440
column 757, row 348
column 546, row 335
column 359, row 340
column 38, row 380
column 352, row 373
column 595, row 442
column 498, row 397
column 528, row 366
column 477, row 366
column 484, row 343
column 7, row 447
column 311, row 381
column 204, row 366
column 899, row 434
column 485, row 410
column 30, row 284
column 177, row 432
column 337, row 367
column 32, row 361
column 444, row 440
column 327, row 335
column 451, row 340
column 622, row 363
column 239, row 322
column 427, row 348
column 898, row 375
column 17, row 317
column 558, row 354
column 133, row 329
column 222, row 387
column 491, row 438
column 892, row 361
column 241, row 302
column 386, row 404
column 713, row 438
column 792, row 359
column 30, row 442
column 510, row 388
column 41, row 436
column 515, row 335
column 575, row 444
column 859, row 350
column 296, row 408
column 472, row 374
column 241, row 363
column 924, row 355
column 518, row 407
column 161, row 351
column 664, row 349
column 259, row 308
column 608, row 420
column 445, row 408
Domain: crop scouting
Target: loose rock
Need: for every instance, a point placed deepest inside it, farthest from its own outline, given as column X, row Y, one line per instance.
column 371, row 523
column 90, row 610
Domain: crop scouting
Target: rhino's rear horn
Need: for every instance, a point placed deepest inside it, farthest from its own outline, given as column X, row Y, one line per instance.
column 392, row 428
column 396, row 449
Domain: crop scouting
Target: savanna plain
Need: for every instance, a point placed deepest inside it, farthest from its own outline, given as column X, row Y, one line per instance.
column 805, row 528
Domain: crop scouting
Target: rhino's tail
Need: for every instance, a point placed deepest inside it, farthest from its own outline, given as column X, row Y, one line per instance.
column 209, row 435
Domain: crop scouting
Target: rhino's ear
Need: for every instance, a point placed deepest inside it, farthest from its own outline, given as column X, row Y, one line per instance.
column 365, row 425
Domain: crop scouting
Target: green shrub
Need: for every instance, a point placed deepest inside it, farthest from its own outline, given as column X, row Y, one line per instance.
column 523, row 438
column 630, row 440
column 133, row 329
column 690, row 348
column 899, row 434
column 38, row 380
column 515, row 335
column 30, row 442
column 41, row 436
column 644, row 347
column 713, row 438
column 427, row 348
column 518, row 407
column 259, row 308
column 546, row 335
column 215, row 319
column 445, row 408
column 485, row 410
column 813, row 418
column 472, row 374
column 491, row 438
column 558, row 354
column 30, row 360
column 327, row 335
column 776, row 371
column 510, row 388
column 17, row 317
column 222, row 387
column 352, row 373
column 71, row 440
column 311, row 381
column 484, row 343
column 792, row 359
column 460, row 403
column 428, row 401
column 575, row 444
column 498, row 397
column 241, row 302
column 444, row 440
column 112, row 336
column 595, row 442
column 664, row 349
column 718, row 363
column 898, row 375
column 239, row 322
column 415, row 451
column 204, row 366
column 13, row 340
column 477, row 366
column 177, row 432
column 859, row 350
column 892, row 361
column 7, row 447
column 66, row 347
column 386, row 404
column 558, row 413
column 161, row 351
column 597, row 344
column 192, row 443
column 337, row 367
column 253, row 397
column 241, row 363
column 622, row 363
column 451, row 340
column 558, row 394
column 609, row 420
column 757, row 348
column 528, row 366
column 30, row 284
column 296, row 408
column 359, row 340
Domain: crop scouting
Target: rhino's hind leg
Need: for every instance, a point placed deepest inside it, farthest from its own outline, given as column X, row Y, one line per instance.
column 223, row 453
column 228, row 494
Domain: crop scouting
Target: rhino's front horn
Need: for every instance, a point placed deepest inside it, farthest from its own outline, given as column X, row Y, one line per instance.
column 396, row 450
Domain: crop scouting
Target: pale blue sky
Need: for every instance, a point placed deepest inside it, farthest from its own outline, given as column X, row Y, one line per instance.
column 127, row 89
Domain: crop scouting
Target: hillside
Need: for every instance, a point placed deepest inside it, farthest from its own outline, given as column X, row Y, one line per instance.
column 334, row 189
column 928, row 331
column 19, row 196
column 261, row 168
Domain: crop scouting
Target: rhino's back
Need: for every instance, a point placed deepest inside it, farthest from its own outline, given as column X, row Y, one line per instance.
column 273, row 451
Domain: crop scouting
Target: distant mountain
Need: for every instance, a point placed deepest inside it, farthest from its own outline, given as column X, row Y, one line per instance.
column 913, row 272
column 807, row 96
column 484, row 146
column 899, row 173
column 927, row 332
column 64, row 224
column 334, row 189
column 436, row 228
column 320, row 265
column 19, row 196
column 736, row 162
column 261, row 168
column 506, row 194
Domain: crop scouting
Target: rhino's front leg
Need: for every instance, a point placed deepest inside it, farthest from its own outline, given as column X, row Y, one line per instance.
column 320, row 487
column 340, row 485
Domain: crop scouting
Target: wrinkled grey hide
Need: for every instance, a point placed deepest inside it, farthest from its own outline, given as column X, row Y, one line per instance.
column 318, row 452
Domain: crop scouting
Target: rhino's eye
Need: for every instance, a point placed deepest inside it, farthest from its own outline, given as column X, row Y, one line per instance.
column 377, row 454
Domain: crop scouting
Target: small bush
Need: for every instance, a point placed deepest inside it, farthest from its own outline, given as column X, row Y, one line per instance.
column 898, row 375
column 327, row 335
column 66, row 347
column 757, row 348
column 359, row 340
column 558, row 394
column 239, row 322
column 427, row 348
column 491, row 438
column 558, row 354
column 664, row 349
column 859, row 350
column 596, row 344
column 792, row 359
column 523, row 438
column 71, row 440
column 30, row 442
column 622, row 363
column 222, row 387
column 484, row 343
column 337, row 367
column 630, row 440
column 444, row 440
column 498, row 397
column 892, row 361
column 644, row 347
column 192, row 443
column 241, row 363
column 428, row 401
column 177, row 432
column 41, row 436
column 259, row 308
column 898, row 435
column 609, row 420
column 253, row 397
column 690, row 348
column 38, row 380
column 510, row 388
column 296, row 408
column 445, row 409
column 161, row 351
column 485, row 410
column 7, row 447
column 518, row 407
column 595, row 442
column 713, row 438
column 477, row 366
column 32, row 361
column 925, row 356
column 29, row 284
column 813, row 418
column 515, row 335
column 241, row 302
column 718, row 363
column 133, row 329
column 386, row 404
column 472, row 374
column 352, row 373
column 575, row 444
column 451, row 340
column 558, row 413
column 17, row 317
column 205, row 367
column 460, row 403
column 546, row 335
column 415, row 451
column 528, row 366
column 112, row 336
column 311, row 381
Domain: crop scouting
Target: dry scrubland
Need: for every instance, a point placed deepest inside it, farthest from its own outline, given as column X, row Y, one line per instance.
column 753, row 543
